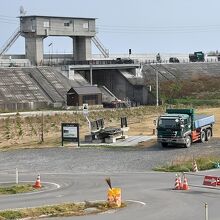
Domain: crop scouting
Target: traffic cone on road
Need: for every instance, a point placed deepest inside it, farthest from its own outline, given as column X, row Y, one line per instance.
column 185, row 184
column 180, row 182
column 177, row 183
column 37, row 183
column 195, row 168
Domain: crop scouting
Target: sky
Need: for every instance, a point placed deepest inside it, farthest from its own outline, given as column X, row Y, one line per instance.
column 144, row 26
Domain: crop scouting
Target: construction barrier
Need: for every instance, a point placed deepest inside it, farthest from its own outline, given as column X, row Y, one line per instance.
column 210, row 182
column 195, row 168
column 114, row 196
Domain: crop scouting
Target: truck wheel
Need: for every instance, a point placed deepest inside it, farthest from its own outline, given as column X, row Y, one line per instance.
column 188, row 142
column 202, row 136
column 208, row 134
column 164, row 144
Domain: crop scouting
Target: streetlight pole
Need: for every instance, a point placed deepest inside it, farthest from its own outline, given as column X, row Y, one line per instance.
column 50, row 56
column 52, row 53
column 91, row 74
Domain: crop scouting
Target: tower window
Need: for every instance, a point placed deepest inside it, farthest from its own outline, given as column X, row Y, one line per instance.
column 66, row 24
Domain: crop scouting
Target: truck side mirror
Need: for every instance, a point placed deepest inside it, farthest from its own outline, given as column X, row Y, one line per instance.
column 155, row 122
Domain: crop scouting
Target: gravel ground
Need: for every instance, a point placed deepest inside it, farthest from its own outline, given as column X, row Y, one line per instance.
column 100, row 159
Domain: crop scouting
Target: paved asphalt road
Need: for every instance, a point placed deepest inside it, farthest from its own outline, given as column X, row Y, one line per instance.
column 80, row 175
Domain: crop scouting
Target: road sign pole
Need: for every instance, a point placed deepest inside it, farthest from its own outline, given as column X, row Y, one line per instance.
column 89, row 123
column 85, row 113
column 78, row 135
column 206, row 212
column 16, row 174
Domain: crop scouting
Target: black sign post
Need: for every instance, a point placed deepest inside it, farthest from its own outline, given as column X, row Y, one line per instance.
column 124, row 122
column 70, row 132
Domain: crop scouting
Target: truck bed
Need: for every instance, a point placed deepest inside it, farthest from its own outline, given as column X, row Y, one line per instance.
column 203, row 120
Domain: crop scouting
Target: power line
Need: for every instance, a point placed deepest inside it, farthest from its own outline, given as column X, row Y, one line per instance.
column 157, row 32
column 160, row 27
column 130, row 28
column 156, row 29
column 8, row 22
column 185, row 29
column 6, row 16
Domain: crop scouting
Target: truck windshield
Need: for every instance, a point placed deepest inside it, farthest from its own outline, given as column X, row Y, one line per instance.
column 168, row 123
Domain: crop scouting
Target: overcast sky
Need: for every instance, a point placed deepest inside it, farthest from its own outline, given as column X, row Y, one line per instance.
column 145, row 26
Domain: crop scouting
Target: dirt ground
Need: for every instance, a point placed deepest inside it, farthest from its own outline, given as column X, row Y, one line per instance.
column 216, row 113
column 26, row 134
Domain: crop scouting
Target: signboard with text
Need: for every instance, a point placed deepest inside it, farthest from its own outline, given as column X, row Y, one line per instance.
column 70, row 132
column 210, row 181
column 85, row 109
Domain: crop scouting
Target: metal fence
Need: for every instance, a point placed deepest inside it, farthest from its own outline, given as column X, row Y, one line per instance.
column 23, row 106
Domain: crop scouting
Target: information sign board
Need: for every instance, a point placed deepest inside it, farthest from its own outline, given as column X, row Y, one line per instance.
column 70, row 132
column 85, row 109
column 210, row 181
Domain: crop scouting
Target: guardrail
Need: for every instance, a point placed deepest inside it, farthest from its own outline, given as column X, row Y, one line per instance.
column 55, row 62
column 14, row 64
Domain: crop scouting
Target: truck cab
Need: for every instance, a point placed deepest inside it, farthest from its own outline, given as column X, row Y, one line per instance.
column 173, row 128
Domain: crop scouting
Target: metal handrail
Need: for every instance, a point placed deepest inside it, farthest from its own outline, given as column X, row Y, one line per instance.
column 10, row 41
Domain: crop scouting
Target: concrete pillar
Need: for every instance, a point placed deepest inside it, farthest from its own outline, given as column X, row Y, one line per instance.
column 82, row 48
column 71, row 74
column 34, row 49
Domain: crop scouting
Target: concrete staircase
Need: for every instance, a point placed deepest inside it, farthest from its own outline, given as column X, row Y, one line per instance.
column 46, row 86
column 17, row 86
column 34, row 87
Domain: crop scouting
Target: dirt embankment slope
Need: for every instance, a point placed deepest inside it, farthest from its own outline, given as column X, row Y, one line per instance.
column 16, row 132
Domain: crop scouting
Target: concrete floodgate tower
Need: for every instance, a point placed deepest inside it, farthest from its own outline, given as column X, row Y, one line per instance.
column 35, row 28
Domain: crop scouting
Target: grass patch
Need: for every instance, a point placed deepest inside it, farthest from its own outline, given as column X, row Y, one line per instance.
column 203, row 163
column 15, row 189
column 70, row 209
column 195, row 102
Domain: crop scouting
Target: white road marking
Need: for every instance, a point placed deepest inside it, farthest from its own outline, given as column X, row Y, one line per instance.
column 136, row 201
column 30, row 193
column 55, row 184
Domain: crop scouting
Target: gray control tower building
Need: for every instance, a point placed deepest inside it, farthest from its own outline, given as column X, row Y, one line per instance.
column 36, row 28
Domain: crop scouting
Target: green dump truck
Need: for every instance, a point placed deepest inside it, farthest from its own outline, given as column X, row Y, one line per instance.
column 197, row 57
column 182, row 127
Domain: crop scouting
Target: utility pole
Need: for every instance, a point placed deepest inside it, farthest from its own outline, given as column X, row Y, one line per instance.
column 157, row 89
column 42, row 129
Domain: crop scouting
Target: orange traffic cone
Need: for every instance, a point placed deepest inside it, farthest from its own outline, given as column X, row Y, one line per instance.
column 180, row 182
column 195, row 168
column 185, row 184
column 37, row 183
column 177, row 183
